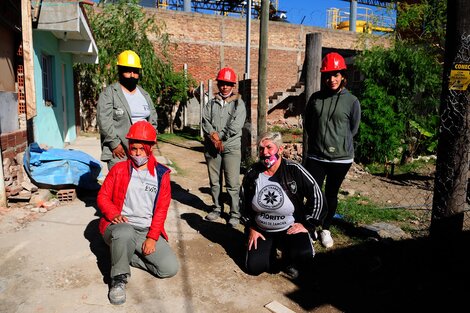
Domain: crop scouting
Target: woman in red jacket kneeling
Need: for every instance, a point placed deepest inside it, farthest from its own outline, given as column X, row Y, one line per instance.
column 134, row 201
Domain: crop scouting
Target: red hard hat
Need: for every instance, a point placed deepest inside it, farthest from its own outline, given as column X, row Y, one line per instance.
column 227, row 75
column 332, row 62
column 143, row 131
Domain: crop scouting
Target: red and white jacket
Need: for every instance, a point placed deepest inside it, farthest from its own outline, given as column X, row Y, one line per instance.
column 113, row 192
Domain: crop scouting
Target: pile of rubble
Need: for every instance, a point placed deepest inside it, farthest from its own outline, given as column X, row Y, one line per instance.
column 18, row 186
column 293, row 151
column 20, row 189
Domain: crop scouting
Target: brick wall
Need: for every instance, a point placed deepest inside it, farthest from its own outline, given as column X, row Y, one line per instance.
column 208, row 42
column 13, row 143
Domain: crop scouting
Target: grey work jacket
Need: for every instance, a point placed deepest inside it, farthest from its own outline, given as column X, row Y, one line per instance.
column 226, row 118
column 114, row 118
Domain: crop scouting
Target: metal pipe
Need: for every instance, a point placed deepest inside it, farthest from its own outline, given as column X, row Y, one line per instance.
column 262, row 67
column 185, row 107
column 210, row 91
column 187, row 6
column 248, row 41
column 353, row 15
column 201, row 106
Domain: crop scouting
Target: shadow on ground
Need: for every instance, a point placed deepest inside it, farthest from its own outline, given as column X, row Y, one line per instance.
column 97, row 245
column 232, row 240
column 417, row 275
column 183, row 196
column 88, row 197
column 99, row 248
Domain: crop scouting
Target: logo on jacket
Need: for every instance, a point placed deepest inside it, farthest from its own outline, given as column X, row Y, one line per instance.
column 292, row 186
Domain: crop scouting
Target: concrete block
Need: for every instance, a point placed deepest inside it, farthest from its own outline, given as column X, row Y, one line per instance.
column 66, row 195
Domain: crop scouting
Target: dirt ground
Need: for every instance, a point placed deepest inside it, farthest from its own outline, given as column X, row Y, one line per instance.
column 57, row 262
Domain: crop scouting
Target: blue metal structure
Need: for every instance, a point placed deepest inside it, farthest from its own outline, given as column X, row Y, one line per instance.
column 222, row 7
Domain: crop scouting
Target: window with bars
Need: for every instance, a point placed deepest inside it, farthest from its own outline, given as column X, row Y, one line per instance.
column 47, row 80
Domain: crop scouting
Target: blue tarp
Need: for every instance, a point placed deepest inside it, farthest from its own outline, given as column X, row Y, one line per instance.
column 61, row 167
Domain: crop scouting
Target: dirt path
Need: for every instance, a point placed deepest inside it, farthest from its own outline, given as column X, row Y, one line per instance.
column 215, row 255
column 57, row 262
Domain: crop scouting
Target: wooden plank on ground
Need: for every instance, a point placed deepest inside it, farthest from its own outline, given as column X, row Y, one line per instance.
column 277, row 307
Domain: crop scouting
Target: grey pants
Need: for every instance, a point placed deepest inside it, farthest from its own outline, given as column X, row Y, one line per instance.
column 229, row 162
column 125, row 242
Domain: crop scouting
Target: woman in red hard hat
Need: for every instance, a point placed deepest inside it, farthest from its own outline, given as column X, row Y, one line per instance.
column 134, row 201
column 331, row 120
column 222, row 122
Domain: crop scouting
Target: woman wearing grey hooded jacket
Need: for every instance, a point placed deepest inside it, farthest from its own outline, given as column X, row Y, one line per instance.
column 331, row 121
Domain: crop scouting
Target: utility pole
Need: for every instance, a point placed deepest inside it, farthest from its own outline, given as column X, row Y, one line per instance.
column 313, row 59
column 452, row 166
column 262, row 66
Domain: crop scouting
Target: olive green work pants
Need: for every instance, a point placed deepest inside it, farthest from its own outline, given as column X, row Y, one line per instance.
column 228, row 164
column 125, row 242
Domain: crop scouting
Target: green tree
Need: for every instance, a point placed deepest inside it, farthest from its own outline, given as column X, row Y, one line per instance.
column 401, row 90
column 423, row 23
column 126, row 26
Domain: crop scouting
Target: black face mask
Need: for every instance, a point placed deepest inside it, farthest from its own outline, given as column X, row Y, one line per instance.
column 129, row 83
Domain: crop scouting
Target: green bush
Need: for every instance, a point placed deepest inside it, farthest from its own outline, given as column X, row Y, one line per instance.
column 401, row 90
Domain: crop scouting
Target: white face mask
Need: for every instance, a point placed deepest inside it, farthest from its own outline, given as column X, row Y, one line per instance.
column 139, row 160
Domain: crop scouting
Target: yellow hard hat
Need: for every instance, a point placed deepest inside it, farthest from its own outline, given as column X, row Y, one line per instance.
column 129, row 58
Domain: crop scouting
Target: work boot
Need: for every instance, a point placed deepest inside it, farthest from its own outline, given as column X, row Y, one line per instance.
column 233, row 221
column 212, row 216
column 117, row 290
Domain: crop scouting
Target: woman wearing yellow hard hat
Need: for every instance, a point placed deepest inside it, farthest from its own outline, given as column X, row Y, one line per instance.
column 120, row 105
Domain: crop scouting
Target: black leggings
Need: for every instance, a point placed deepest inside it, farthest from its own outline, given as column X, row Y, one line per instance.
column 335, row 174
column 297, row 250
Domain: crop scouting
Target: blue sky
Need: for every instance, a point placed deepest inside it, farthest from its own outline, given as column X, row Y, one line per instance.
column 314, row 12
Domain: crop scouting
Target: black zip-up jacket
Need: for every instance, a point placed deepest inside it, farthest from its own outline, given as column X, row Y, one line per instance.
column 297, row 183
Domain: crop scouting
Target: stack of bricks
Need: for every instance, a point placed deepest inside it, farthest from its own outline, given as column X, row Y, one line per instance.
column 66, row 195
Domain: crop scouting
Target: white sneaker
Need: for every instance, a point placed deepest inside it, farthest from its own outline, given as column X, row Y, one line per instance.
column 326, row 240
